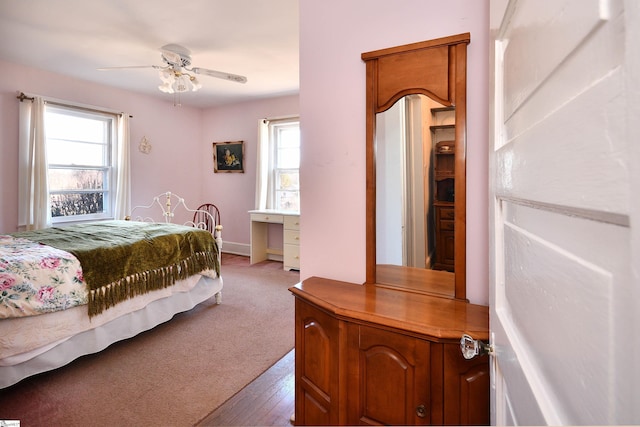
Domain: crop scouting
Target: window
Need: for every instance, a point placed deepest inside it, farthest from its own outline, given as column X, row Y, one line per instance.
column 285, row 164
column 80, row 151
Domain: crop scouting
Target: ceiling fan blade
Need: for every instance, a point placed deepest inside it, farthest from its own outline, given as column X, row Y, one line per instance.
column 128, row 67
column 219, row 74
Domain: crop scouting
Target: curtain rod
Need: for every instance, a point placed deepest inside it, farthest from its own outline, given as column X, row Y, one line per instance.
column 280, row 118
column 22, row 97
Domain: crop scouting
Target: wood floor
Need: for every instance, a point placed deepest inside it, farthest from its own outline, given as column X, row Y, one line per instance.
column 269, row 399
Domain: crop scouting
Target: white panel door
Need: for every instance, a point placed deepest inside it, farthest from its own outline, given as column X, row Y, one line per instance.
column 564, row 239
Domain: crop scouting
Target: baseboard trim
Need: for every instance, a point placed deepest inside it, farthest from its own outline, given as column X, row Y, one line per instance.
column 236, row 248
column 245, row 250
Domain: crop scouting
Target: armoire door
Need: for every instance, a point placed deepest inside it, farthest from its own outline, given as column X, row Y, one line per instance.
column 388, row 378
column 317, row 359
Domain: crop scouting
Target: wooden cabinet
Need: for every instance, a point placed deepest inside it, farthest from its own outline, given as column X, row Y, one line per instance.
column 444, row 149
column 367, row 355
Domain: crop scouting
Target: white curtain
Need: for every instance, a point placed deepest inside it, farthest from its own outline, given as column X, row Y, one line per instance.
column 34, row 204
column 262, row 162
column 122, row 206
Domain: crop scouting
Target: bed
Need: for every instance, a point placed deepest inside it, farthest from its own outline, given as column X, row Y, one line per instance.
column 82, row 304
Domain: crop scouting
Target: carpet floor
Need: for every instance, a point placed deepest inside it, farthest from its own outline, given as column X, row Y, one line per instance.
column 177, row 373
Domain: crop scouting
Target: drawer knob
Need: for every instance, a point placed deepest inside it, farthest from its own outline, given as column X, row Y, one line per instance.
column 421, row 411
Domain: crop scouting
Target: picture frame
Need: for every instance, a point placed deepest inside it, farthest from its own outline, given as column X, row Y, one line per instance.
column 228, row 156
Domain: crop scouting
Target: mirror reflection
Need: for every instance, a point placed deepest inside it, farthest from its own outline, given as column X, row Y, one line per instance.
column 436, row 202
column 415, row 150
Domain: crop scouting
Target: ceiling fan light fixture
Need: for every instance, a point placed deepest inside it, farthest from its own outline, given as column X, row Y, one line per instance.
column 174, row 81
column 195, row 83
column 166, row 88
column 182, row 83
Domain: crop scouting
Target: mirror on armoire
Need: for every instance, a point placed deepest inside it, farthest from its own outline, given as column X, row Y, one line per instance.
column 416, row 166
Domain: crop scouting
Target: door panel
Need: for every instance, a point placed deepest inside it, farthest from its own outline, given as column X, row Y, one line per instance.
column 542, row 35
column 562, row 283
column 556, row 149
column 569, row 159
column 559, row 304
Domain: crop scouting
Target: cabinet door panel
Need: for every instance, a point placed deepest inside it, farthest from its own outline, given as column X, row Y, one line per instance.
column 466, row 388
column 445, row 238
column 389, row 377
column 315, row 412
column 448, row 247
column 316, row 366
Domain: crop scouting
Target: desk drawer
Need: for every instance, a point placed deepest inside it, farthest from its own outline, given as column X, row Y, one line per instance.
column 292, row 222
column 291, row 257
column 291, row 237
column 259, row 217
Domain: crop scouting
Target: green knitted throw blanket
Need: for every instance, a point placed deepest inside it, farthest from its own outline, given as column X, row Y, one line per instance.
column 122, row 259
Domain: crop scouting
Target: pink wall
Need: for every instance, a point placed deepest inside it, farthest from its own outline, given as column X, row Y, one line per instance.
column 234, row 193
column 333, row 34
column 175, row 134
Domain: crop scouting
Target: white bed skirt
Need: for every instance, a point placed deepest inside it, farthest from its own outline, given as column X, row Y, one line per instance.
column 62, row 337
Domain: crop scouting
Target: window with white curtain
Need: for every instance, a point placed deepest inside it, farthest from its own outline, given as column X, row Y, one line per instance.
column 73, row 163
column 278, row 185
column 80, row 151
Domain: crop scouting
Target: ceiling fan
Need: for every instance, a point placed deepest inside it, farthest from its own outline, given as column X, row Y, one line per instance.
column 176, row 73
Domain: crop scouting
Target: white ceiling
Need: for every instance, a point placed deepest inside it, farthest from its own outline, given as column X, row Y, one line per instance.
column 254, row 38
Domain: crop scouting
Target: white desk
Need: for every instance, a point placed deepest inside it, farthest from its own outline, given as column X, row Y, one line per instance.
column 260, row 220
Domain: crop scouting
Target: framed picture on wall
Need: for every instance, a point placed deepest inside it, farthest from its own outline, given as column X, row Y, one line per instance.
column 228, row 156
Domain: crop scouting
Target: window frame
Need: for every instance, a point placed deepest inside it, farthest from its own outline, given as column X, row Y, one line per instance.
column 108, row 167
column 274, row 128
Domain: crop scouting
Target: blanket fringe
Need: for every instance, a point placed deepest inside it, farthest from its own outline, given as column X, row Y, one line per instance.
column 109, row 295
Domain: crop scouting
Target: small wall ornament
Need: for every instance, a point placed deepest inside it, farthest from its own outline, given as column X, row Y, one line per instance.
column 144, row 146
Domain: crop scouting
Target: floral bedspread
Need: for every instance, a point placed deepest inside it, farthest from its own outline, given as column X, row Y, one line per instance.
column 37, row 279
